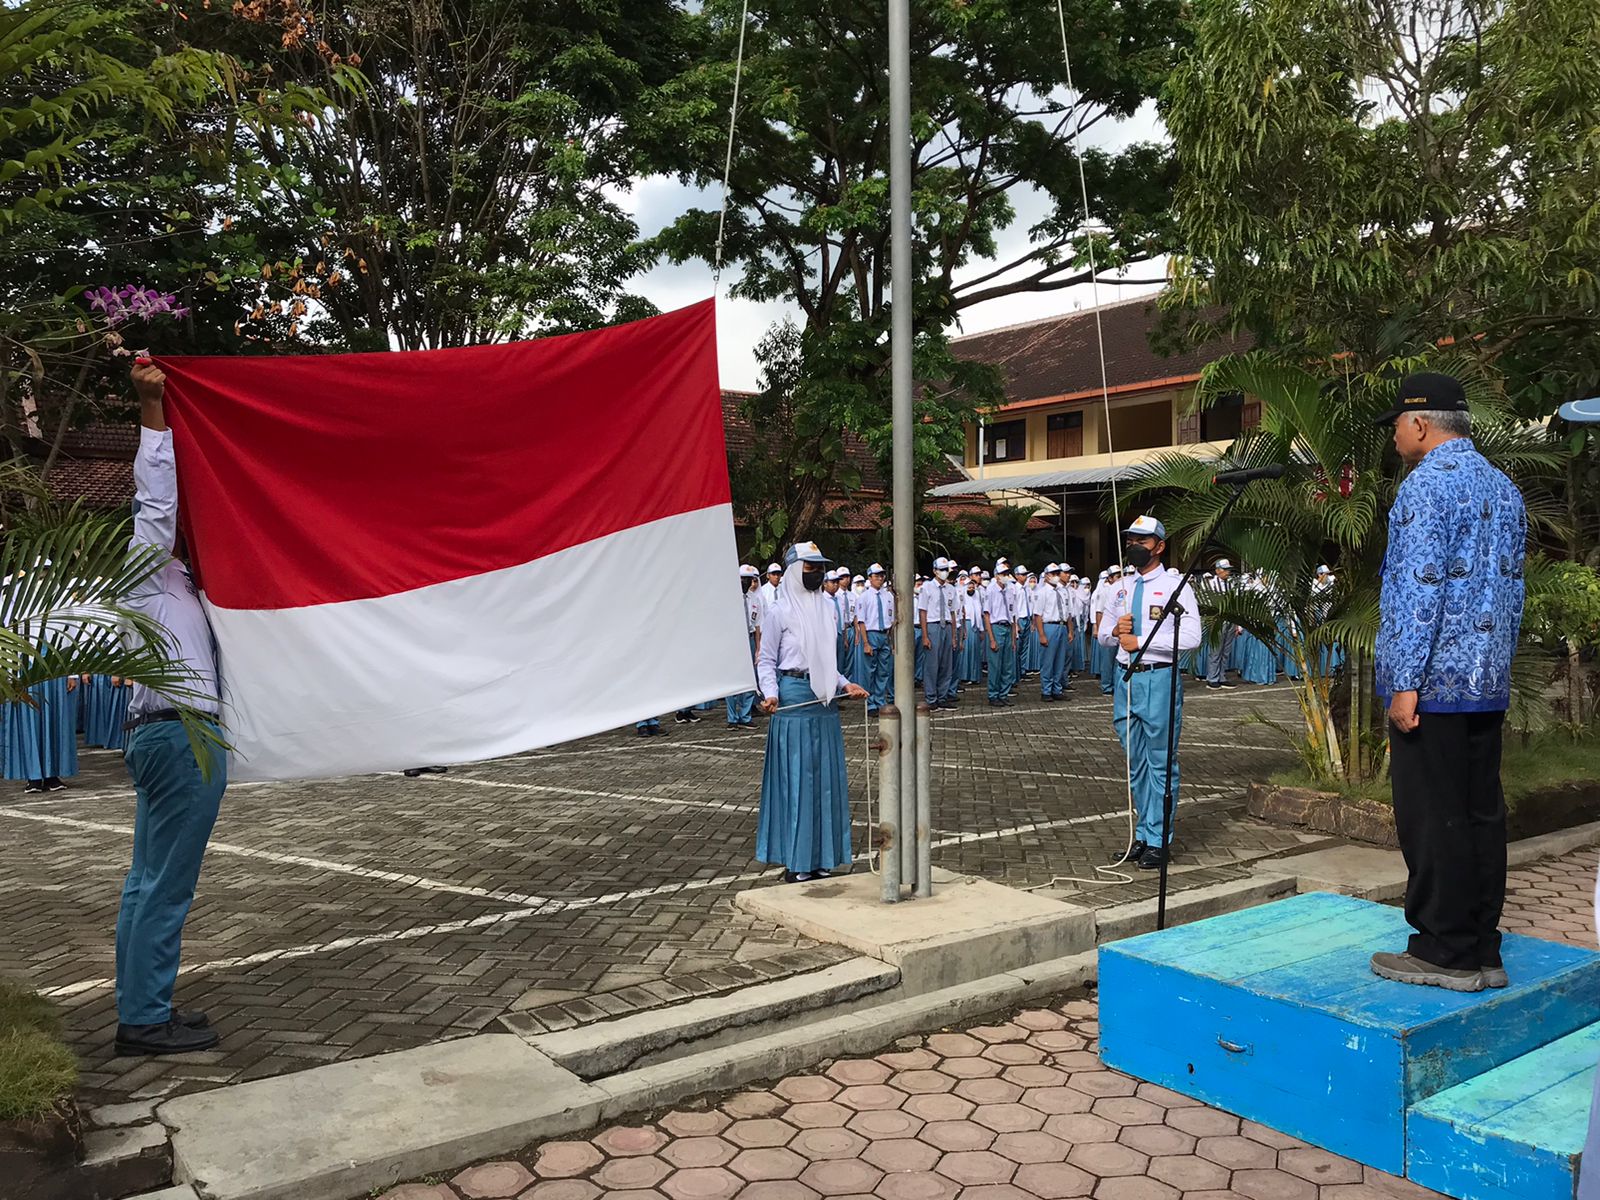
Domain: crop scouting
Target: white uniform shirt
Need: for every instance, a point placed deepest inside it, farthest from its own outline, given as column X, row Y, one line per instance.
column 779, row 653
column 769, row 593
column 1158, row 586
column 997, row 604
column 755, row 607
column 868, row 609
column 1048, row 601
column 169, row 595
column 934, row 599
column 972, row 608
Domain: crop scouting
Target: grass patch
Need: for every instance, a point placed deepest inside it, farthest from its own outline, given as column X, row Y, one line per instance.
column 36, row 1068
column 1546, row 760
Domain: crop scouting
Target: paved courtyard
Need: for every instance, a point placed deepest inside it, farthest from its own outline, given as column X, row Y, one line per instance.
column 349, row 917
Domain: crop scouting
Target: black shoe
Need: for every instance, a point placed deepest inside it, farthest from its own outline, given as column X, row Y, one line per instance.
column 1213, row 687
column 1134, row 853
column 412, row 772
column 649, row 730
column 798, row 876
column 172, row 1037
column 997, row 704
column 436, row 770
column 819, row 873
column 682, row 716
column 191, row 1018
column 52, row 784
column 1153, row 858
column 35, row 788
column 1228, row 683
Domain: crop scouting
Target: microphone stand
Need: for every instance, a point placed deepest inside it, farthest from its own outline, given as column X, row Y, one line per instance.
column 1172, row 608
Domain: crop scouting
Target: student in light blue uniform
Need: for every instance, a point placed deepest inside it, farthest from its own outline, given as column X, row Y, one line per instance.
column 875, row 632
column 837, row 586
column 1000, row 632
column 104, row 705
column 970, row 660
column 1221, row 646
column 805, row 799
column 1108, row 658
column 936, row 616
column 1051, row 628
column 1142, row 712
column 40, row 740
column 1027, row 644
column 741, row 708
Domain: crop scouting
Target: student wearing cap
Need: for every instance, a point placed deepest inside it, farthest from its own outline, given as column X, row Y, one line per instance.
column 834, row 585
column 875, row 633
column 975, row 649
column 805, row 797
column 1450, row 610
column 769, row 589
column 1106, row 662
column 1050, row 629
column 1000, row 632
column 741, row 708
column 1221, row 649
column 1142, row 710
column 935, row 620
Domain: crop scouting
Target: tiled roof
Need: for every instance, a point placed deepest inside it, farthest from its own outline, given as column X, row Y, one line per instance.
column 1059, row 356
column 98, row 482
column 103, row 439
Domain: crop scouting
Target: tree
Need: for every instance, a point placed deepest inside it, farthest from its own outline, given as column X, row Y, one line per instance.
column 1331, row 505
column 808, row 191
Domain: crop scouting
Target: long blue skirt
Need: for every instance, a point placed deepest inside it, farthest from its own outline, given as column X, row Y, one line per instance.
column 105, row 710
column 1257, row 662
column 40, row 740
column 971, row 666
column 805, row 790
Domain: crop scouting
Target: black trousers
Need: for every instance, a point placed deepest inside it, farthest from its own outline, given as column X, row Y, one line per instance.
column 1450, row 813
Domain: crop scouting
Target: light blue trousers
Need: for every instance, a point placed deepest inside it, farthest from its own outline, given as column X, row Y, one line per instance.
column 1053, row 660
column 1002, row 664
column 172, row 821
column 938, row 663
column 741, row 708
column 878, row 669
column 1140, row 713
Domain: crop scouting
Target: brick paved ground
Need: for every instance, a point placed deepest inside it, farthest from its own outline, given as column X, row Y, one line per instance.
column 344, row 918
column 1017, row 1110
column 1554, row 899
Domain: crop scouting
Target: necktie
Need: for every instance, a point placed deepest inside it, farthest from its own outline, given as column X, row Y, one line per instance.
column 1138, row 608
column 882, row 624
column 944, row 609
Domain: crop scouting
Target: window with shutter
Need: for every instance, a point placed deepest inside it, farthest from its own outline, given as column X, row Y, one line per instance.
column 1064, row 435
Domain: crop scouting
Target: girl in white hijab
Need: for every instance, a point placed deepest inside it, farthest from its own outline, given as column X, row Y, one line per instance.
column 805, row 798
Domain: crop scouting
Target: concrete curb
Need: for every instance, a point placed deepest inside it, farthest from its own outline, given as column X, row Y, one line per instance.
column 1552, row 845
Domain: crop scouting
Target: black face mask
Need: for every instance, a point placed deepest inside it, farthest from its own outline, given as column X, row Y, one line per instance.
column 1137, row 556
column 812, row 580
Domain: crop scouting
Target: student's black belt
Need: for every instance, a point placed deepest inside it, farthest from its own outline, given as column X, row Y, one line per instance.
column 1151, row 667
column 793, row 674
column 156, row 716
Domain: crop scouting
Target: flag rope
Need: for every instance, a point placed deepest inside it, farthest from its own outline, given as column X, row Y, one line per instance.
column 727, row 161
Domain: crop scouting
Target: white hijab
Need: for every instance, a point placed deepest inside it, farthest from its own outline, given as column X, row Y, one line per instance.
column 811, row 618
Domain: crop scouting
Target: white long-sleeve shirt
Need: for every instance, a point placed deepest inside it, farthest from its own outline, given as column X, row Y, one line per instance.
column 169, row 596
column 780, row 653
column 1159, row 583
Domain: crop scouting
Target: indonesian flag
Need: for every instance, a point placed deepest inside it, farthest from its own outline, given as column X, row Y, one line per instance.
column 447, row 555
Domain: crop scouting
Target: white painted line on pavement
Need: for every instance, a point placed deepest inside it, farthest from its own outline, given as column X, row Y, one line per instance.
column 566, row 791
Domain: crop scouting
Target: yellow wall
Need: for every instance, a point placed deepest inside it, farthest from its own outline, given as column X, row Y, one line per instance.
column 1139, row 424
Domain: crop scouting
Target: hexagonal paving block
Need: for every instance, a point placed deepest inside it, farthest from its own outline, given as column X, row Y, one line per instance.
column 560, row 1160
column 995, row 1191
column 885, row 1123
column 1104, row 1083
column 1203, row 1122
column 1166, row 1097
column 1157, row 1139
column 492, row 1181
column 1031, row 1146
column 1054, row 1041
column 1108, row 1158
column 1134, row 1187
column 855, row 1071
column 1014, row 1054
column 910, row 1060
column 821, row 1114
column 695, row 1124
column 1053, row 1181
column 561, row 1189
column 841, row 1177
column 1236, row 1153
column 1269, row 1137
column 1081, row 1127
column 1038, row 1019
column 777, row 1189
column 998, row 1033
column 771, row 1162
column 941, row 1106
column 1056, row 1100
column 1188, row 1172
column 801, row 1089
column 1273, row 1185
column 922, row 1082
column 955, row 1045
column 1318, row 1166
column 1008, row 1118
column 1033, row 1076
column 624, row 1141
column 1081, row 1009
column 957, row 1135
column 640, row 1171
column 974, row 1167
column 635, row 1194
column 820, row 1145
column 419, row 1191
column 760, row 1132
column 1129, row 1110
column 971, row 1068
column 916, row 1185
column 1076, row 1060
column 871, row 1096
column 698, row 1152
column 988, row 1091
column 901, row 1154
column 753, row 1104
column 703, row 1183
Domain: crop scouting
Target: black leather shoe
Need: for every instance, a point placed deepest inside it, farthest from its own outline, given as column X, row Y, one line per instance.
column 191, row 1018
column 1153, row 858
column 798, row 876
column 1136, row 851
column 173, row 1037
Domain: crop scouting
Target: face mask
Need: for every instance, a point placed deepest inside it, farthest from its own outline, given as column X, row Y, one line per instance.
column 1137, row 556
column 941, row 576
column 812, row 580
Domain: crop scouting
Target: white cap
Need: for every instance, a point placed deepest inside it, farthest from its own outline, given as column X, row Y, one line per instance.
column 749, row 572
column 876, row 569
column 1224, row 565
column 858, row 579
column 774, row 569
column 1052, row 568
column 1324, row 569
column 1022, row 570
column 1106, row 574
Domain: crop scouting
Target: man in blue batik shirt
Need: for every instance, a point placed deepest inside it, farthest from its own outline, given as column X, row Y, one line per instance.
column 1451, row 610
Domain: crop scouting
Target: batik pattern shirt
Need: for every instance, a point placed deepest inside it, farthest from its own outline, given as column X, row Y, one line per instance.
column 1452, row 584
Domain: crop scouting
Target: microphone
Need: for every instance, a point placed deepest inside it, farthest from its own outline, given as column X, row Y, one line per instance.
column 1243, row 475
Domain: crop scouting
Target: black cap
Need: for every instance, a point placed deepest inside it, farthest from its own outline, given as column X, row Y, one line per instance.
column 1426, row 391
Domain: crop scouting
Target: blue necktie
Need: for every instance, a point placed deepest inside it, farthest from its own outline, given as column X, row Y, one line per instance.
column 1138, row 608
column 881, row 623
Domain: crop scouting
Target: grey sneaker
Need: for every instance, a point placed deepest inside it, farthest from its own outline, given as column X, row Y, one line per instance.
column 1406, row 968
column 1496, row 977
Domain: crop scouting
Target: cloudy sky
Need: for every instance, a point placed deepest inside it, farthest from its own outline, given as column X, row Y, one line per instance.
column 658, row 201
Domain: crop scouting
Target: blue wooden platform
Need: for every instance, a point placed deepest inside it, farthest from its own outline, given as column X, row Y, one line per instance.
column 1274, row 1013
column 1513, row 1133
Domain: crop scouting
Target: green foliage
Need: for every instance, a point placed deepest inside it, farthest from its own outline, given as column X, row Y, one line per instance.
column 809, row 193
column 37, row 1070
column 1563, row 606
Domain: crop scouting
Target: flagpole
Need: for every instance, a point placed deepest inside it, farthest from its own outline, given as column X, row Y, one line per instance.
column 904, row 525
